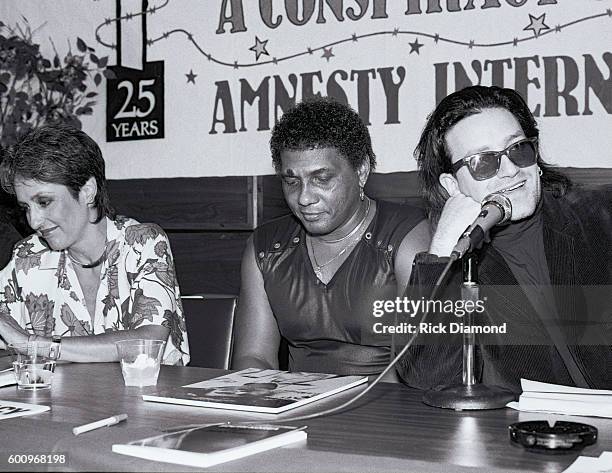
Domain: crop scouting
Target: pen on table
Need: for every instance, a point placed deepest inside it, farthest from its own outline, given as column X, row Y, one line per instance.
column 99, row 423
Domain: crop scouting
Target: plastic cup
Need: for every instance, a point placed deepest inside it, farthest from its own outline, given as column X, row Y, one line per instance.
column 34, row 364
column 140, row 360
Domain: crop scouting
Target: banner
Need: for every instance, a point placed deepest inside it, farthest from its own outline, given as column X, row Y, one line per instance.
column 193, row 87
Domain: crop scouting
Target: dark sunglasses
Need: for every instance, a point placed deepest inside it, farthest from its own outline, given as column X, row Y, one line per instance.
column 485, row 165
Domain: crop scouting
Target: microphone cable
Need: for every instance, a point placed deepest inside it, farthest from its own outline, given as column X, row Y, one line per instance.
column 392, row 363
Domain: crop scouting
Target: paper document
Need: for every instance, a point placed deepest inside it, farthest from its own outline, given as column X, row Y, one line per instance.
column 9, row 409
column 559, row 399
column 601, row 464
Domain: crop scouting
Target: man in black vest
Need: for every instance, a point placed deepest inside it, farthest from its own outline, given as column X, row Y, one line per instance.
column 313, row 276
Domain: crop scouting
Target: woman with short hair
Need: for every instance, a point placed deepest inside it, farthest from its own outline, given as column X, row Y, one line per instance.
column 85, row 274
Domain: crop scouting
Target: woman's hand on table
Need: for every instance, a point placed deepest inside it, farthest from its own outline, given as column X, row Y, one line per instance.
column 11, row 331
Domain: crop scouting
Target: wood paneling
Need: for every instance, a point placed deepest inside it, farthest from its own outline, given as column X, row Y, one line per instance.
column 208, row 262
column 209, row 219
column 211, row 203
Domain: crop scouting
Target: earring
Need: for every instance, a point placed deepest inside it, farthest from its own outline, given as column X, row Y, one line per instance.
column 361, row 193
column 540, row 172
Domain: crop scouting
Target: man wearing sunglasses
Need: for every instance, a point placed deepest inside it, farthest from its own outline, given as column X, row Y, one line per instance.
column 535, row 272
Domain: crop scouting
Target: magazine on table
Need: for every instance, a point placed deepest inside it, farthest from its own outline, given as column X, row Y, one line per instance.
column 258, row 390
column 212, row 444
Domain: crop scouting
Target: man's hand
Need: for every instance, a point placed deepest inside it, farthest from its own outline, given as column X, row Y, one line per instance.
column 458, row 213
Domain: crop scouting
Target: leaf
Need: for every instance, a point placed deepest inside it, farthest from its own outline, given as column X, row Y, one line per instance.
column 103, row 62
column 84, row 111
column 94, row 58
column 27, row 263
column 144, row 307
column 5, row 77
column 160, row 248
column 9, row 294
column 126, row 315
column 46, row 63
column 81, row 45
column 109, row 74
column 109, row 303
column 75, row 326
column 97, row 79
column 176, row 324
column 164, row 273
column 131, row 276
column 40, row 310
column 61, row 275
column 112, row 251
column 91, row 94
column 141, row 233
column 3, row 88
column 113, row 282
column 56, row 61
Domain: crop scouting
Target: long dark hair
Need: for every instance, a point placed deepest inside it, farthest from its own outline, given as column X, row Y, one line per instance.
column 434, row 158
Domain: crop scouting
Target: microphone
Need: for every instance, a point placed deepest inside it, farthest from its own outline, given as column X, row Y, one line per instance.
column 496, row 210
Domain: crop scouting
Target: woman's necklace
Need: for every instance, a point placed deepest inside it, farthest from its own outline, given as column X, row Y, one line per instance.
column 354, row 230
column 318, row 267
column 96, row 263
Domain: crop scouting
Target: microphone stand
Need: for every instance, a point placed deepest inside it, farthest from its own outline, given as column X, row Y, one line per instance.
column 470, row 395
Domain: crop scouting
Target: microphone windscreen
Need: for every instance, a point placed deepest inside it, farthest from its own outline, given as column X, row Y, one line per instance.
column 502, row 202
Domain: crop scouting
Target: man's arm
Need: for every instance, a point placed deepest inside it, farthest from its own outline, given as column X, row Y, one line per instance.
column 427, row 365
column 257, row 337
column 416, row 241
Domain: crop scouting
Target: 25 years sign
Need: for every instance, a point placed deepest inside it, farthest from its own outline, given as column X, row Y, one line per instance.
column 135, row 103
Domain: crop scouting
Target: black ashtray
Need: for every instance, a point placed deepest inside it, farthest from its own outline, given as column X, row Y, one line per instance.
column 539, row 436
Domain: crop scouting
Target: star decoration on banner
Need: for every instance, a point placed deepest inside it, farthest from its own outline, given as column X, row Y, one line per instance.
column 415, row 46
column 536, row 25
column 327, row 53
column 259, row 48
column 191, row 76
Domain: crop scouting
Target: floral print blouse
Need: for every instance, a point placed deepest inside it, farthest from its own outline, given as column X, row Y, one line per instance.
column 138, row 286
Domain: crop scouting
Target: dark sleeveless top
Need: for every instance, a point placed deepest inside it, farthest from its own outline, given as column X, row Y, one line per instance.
column 328, row 327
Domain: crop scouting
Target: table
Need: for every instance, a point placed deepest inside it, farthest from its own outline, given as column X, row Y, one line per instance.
column 391, row 430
